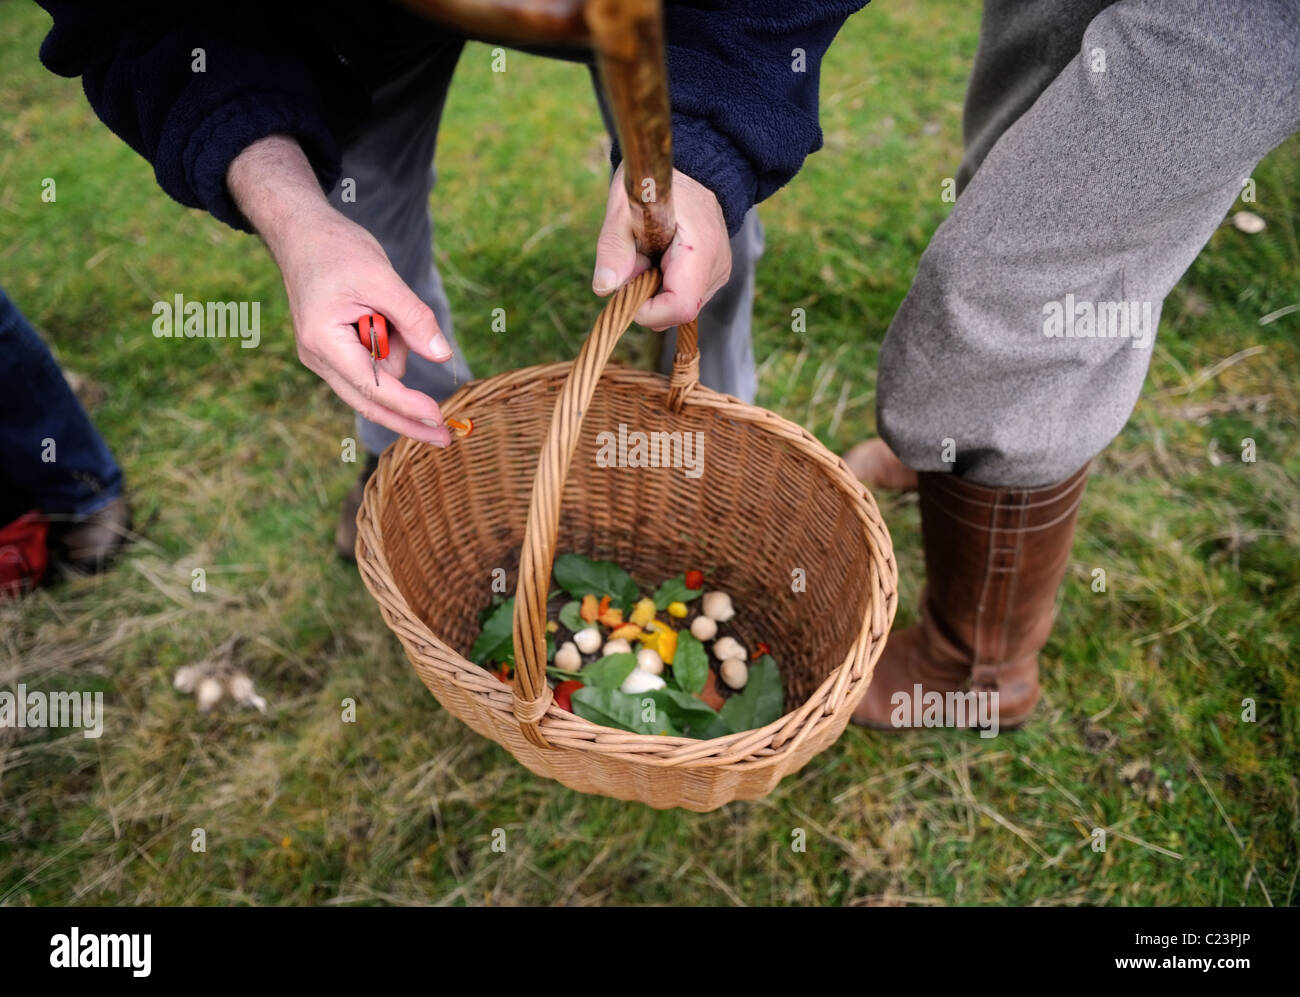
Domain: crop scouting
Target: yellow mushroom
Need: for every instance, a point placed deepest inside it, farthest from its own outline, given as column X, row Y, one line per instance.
column 643, row 612
column 628, row 631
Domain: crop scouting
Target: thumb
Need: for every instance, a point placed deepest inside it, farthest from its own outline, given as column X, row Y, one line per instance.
column 617, row 260
column 412, row 319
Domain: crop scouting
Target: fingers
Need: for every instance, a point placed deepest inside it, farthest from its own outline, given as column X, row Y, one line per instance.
column 668, row 309
column 395, row 364
column 617, row 260
column 345, row 365
column 692, row 275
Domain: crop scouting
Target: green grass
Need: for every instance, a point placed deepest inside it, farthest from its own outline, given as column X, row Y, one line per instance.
column 233, row 461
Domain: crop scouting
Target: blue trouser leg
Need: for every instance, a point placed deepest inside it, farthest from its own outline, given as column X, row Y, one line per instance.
column 54, row 459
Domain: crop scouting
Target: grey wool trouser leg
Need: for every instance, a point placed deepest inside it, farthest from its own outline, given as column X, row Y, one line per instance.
column 1105, row 143
column 391, row 164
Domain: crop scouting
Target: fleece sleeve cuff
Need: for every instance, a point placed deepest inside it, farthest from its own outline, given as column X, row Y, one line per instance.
column 708, row 157
column 206, row 151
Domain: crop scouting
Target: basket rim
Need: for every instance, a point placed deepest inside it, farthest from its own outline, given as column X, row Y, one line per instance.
column 667, row 750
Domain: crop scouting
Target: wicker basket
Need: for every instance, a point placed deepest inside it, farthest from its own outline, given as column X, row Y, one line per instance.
column 772, row 507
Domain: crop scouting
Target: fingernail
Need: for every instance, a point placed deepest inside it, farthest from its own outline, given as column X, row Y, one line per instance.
column 439, row 347
column 435, row 424
column 604, row 280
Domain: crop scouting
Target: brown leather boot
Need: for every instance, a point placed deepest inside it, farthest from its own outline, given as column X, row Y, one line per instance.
column 345, row 536
column 89, row 544
column 994, row 558
column 877, row 466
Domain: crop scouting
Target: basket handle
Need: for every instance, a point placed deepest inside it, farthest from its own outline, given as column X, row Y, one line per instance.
column 532, row 696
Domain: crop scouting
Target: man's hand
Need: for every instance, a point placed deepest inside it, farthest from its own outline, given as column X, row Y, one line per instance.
column 695, row 266
column 335, row 272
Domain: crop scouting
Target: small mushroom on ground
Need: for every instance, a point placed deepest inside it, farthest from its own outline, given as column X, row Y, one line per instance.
column 641, row 681
column 209, row 693
column 717, row 606
column 568, row 657
column 187, row 677
column 734, row 672
column 588, row 640
column 703, row 628
column 1248, row 222
column 241, row 690
column 619, row 646
column 728, row 647
column 216, row 677
column 648, row 660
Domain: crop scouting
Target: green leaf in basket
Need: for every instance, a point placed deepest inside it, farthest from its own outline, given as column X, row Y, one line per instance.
column 581, row 576
column 690, row 664
column 496, row 640
column 486, row 612
column 693, row 717
column 569, row 616
column 760, row 702
column 640, row 713
column 675, row 590
column 610, row 671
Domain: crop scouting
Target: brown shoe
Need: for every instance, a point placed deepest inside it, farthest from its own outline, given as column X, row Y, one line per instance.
column 345, row 537
column 876, row 466
column 89, row 544
column 994, row 559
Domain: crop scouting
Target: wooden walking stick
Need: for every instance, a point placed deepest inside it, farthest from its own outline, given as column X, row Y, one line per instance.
column 628, row 39
column 629, row 42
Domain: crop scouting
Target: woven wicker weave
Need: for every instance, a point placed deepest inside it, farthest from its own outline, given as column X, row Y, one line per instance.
column 772, row 505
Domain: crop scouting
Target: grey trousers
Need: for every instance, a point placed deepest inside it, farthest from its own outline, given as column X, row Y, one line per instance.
column 1105, row 143
column 391, row 162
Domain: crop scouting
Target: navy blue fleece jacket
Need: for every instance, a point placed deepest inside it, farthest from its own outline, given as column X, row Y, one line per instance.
column 743, row 81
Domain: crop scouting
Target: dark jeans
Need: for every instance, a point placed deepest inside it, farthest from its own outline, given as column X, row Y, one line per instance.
column 51, row 456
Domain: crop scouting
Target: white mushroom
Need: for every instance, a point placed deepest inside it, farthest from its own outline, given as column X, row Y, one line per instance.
column 717, row 606
column 568, row 657
column 619, row 646
column 1248, row 222
column 242, row 692
column 641, row 681
column 728, row 647
column 588, row 640
column 703, row 628
column 209, row 693
column 648, row 660
column 187, row 677
column 734, row 672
